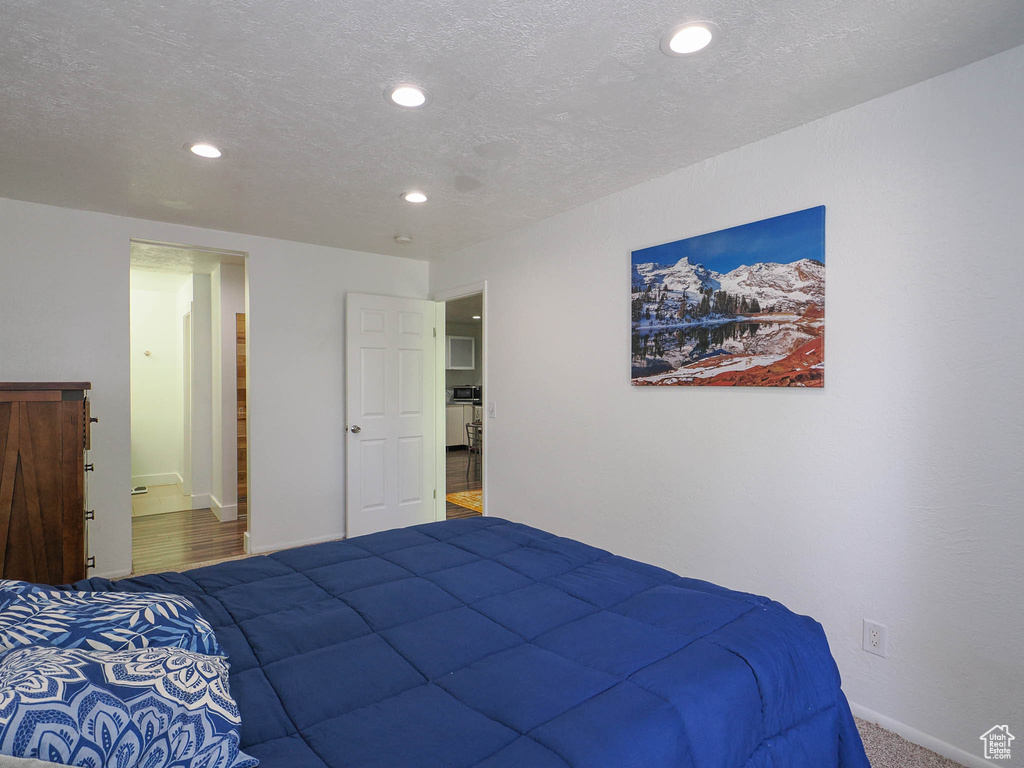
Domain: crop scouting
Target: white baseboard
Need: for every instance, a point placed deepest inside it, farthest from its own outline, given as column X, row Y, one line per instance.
column 201, row 501
column 169, row 478
column 921, row 738
column 298, row 543
column 246, row 544
column 223, row 512
column 120, row 574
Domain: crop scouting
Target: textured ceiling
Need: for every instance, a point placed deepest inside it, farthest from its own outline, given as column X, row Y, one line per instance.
column 160, row 257
column 537, row 106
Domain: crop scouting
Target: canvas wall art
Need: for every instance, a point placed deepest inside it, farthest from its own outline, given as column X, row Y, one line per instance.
column 741, row 307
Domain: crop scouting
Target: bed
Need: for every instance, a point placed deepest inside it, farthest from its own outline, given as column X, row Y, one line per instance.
column 483, row 642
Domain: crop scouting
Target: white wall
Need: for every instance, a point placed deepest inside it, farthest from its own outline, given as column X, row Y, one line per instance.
column 157, row 425
column 183, row 307
column 297, row 383
column 227, row 287
column 64, row 313
column 895, row 492
column 202, row 393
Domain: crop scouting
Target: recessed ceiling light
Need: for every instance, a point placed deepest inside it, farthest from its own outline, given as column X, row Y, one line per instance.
column 403, row 239
column 414, row 197
column 405, row 95
column 476, row 317
column 205, row 150
column 689, row 38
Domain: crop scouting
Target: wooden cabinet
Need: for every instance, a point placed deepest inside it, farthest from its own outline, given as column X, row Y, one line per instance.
column 44, row 433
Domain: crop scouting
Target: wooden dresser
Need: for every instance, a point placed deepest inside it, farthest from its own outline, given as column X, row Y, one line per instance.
column 44, row 433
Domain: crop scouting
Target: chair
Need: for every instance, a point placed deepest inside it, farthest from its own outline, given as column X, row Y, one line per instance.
column 474, row 441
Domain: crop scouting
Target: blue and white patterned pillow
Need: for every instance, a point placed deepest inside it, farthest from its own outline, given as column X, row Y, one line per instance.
column 149, row 707
column 104, row 621
column 12, row 591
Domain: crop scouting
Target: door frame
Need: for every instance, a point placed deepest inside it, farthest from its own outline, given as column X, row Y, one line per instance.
column 186, row 365
column 442, row 297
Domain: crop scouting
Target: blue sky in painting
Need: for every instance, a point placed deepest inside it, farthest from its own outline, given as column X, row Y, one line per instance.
column 779, row 240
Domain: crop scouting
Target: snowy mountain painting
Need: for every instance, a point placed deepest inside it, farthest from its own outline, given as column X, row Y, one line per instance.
column 742, row 307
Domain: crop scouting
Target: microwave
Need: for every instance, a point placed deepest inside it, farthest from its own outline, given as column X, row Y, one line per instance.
column 466, row 394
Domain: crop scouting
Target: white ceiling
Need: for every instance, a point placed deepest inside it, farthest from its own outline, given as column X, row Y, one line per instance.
column 538, row 105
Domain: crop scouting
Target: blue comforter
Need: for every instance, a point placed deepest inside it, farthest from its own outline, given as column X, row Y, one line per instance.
column 490, row 643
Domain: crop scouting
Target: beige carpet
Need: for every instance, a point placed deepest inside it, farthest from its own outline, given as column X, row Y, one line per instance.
column 887, row 750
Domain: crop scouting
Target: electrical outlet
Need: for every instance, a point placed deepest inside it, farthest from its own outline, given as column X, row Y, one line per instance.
column 876, row 638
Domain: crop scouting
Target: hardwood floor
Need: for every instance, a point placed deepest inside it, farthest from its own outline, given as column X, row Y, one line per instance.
column 455, row 480
column 175, row 539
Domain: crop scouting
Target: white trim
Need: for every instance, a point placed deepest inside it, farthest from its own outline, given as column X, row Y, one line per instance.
column 246, row 543
column 440, row 416
column 203, row 248
column 186, row 394
column 460, row 292
column 920, row 737
column 201, row 501
column 223, row 512
column 167, row 478
column 248, row 418
column 277, row 546
column 457, row 293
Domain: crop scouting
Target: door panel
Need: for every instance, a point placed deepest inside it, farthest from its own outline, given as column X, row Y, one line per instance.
column 41, row 436
column 390, row 413
column 372, row 320
column 372, row 384
column 410, row 470
column 410, row 323
column 373, row 462
column 410, row 382
column 31, row 491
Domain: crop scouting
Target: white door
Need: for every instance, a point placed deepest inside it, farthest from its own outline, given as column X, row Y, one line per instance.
column 390, row 413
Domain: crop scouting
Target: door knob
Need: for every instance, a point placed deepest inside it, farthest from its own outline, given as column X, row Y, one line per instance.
column 356, row 429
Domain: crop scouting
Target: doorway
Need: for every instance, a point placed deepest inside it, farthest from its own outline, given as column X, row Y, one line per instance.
column 464, row 406
column 188, row 371
column 401, row 459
